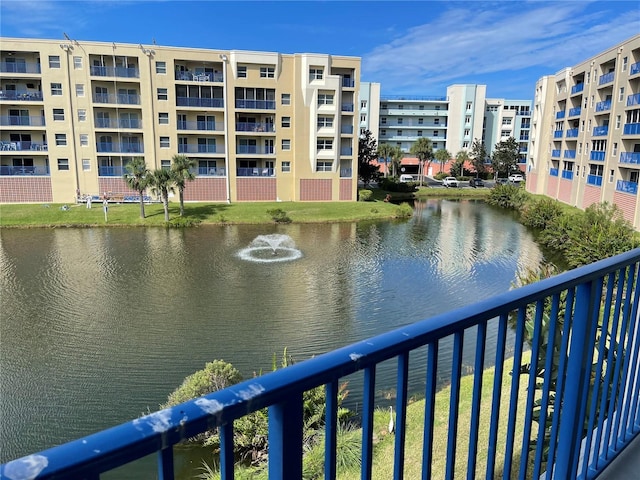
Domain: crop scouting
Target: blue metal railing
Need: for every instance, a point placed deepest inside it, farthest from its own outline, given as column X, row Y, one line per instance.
column 119, row 99
column 569, row 154
column 257, row 149
column 603, row 106
column 19, row 120
column 207, row 125
column 126, row 72
column 199, row 102
column 630, row 157
column 595, row 180
column 572, row 133
column 555, row 153
column 577, row 88
column 575, row 112
column 199, row 77
column 631, row 129
column 347, row 107
column 212, row 171
column 597, row 155
column 115, row 171
column 200, row 148
column 627, row 187
column 24, row 170
column 633, row 100
column 346, row 151
column 118, row 123
column 553, row 172
column 256, row 104
column 22, row 96
column 255, row 172
column 606, row 78
column 255, row 127
column 558, row 133
column 21, row 67
column 567, row 174
column 560, row 115
column 600, row 130
column 588, row 400
column 346, row 173
column 635, row 68
column 105, row 147
column 348, row 82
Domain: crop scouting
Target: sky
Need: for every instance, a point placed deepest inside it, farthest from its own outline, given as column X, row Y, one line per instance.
column 409, row 47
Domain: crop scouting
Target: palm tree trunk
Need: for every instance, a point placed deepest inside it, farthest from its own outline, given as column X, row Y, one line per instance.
column 181, row 202
column 165, row 205
column 141, row 205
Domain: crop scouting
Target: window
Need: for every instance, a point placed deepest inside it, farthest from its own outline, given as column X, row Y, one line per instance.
column 421, row 121
column 592, row 100
column 465, row 144
column 467, row 132
column 56, row 89
column 285, row 122
column 436, row 121
column 325, row 144
column 286, row 144
column 77, row 63
column 58, row 114
column 618, row 120
column 419, row 133
column 165, row 164
column 580, row 148
column 325, row 99
column 84, row 140
column 400, row 120
column 421, row 107
column 164, row 142
column 468, row 106
column 267, row 72
column 242, row 72
column 611, row 175
column 86, row 164
column 582, row 126
column 285, row 99
column 82, row 115
column 363, row 118
column 79, row 90
column 163, row 94
column 621, row 94
column 286, row 166
column 505, row 133
column 435, row 133
column 399, row 133
column 61, row 139
column 383, row 133
column 63, row 164
column 163, row 118
column 614, row 150
column 505, row 121
column 363, row 104
column 161, row 68
column 588, row 77
column 54, row 61
column 383, row 120
column 325, row 122
column 315, row 73
column 625, row 60
column 323, row 166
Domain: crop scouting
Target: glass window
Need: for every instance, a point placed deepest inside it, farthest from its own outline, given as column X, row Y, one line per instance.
column 400, row 121
column 79, row 90
column 165, row 164
column 163, row 118
column 325, row 99
column 58, row 114
column 242, row 72
column 267, row 72
column 84, row 140
column 161, row 68
column 286, row 144
column 325, row 122
column 325, row 144
column 614, row 151
column 286, row 122
column 61, row 139
column 56, row 89
column 315, row 73
column 82, row 115
column 86, row 164
column 323, row 166
column 625, row 60
column 164, row 142
column 54, row 61
column 621, row 94
column 63, row 164
column 286, row 166
column 163, row 94
column 77, row 63
column 285, row 99
column 363, row 104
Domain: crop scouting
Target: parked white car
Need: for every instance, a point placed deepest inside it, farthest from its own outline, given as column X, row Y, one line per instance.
column 450, row 182
column 406, row 178
column 516, row 178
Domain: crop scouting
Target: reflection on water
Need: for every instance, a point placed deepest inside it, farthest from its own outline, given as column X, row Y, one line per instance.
column 99, row 325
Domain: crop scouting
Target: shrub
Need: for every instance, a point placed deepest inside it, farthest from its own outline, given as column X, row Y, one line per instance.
column 279, row 216
column 365, row 195
column 440, row 175
column 404, row 210
column 540, row 213
column 182, row 222
column 391, row 184
column 507, row 196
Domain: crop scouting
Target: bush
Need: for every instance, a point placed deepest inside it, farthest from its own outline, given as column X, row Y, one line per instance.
column 391, row 184
column 279, row 216
column 440, row 175
column 365, row 195
column 404, row 210
column 540, row 213
column 507, row 196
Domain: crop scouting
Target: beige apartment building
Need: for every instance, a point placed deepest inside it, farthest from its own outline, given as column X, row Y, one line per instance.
column 585, row 135
column 261, row 126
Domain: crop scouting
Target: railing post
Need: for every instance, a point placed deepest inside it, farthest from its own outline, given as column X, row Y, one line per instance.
column 579, row 361
column 285, row 439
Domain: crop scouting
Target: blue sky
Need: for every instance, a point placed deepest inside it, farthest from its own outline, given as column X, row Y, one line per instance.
column 416, row 47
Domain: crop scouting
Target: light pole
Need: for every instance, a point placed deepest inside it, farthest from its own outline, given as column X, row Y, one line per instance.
column 224, row 59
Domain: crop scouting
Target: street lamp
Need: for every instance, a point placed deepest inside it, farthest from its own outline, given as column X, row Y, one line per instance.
column 224, row 59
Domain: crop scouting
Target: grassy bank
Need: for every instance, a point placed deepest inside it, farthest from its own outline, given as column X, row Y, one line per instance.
column 38, row 215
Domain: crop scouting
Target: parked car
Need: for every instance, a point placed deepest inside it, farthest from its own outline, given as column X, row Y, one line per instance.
column 406, row 178
column 450, row 182
column 476, row 182
column 516, row 178
column 502, row 181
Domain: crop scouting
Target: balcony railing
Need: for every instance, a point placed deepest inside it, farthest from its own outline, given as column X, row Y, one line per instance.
column 567, row 174
column 560, row 115
column 110, row 171
column 627, row 187
column 558, row 133
column 126, row 72
column 107, row 147
column 577, row 88
column 255, row 127
column 601, row 130
column 575, row 112
column 555, row 153
column 597, row 155
column 346, row 129
column 631, row 129
column 347, row 107
column 256, row 104
column 348, row 82
column 635, row 68
column 633, row 100
column 199, row 102
column 594, row 180
column 23, row 146
column 199, row 77
column 606, row 78
column 603, row 106
column 346, row 151
column 255, row 172
column 553, row 172
column 572, row 133
column 15, row 67
column 121, row 123
column 187, row 148
column 257, row 149
column 19, row 120
column 119, row 99
column 630, row 157
column 569, row 154
column 346, row 173
column 206, row 125
column 212, row 171
column 588, row 397
column 25, row 170
column 14, row 95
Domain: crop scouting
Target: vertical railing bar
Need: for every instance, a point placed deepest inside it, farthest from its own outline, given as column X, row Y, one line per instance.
column 590, row 457
column 285, row 438
column 513, row 398
column 481, row 338
column 226, row 451
column 635, row 380
column 401, row 415
column 600, row 437
column 454, row 402
column 331, row 429
column 429, row 409
column 562, row 365
column 496, row 397
column 544, row 401
column 633, row 346
column 165, row 463
column 367, row 421
column 531, row 388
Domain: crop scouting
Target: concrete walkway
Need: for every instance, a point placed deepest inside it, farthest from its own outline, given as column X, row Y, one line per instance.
column 626, row 466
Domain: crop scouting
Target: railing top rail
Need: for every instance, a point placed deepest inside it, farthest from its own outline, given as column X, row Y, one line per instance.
column 124, row 443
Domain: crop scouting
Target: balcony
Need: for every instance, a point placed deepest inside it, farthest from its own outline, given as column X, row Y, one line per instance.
column 597, row 156
column 575, row 112
column 567, row 174
column 255, row 127
column 23, row 146
column 558, row 133
column 595, row 180
column 41, row 171
column 200, row 77
column 569, row 154
column 577, row 88
column 19, row 67
column 121, row 123
column 110, row 171
column 633, row 100
column 560, row 115
column 572, row 133
column 255, row 172
column 256, row 104
column 108, row 147
column 591, row 312
column 22, row 121
column 346, row 173
column 630, row 157
column 254, row 149
column 606, row 78
column 635, row 68
column 200, row 148
column 123, row 72
column 13, row 95
column 627, row 187
column 346, row 129
column 211, row 171
column 199, row 102
column 202, row 125
column 555, row 153
column 119, row 99
column 346, row 151
column 348, row 82
column 553, row 172
column 603, row 106
column 631, row 129
column 601, row 131
column 347, row 107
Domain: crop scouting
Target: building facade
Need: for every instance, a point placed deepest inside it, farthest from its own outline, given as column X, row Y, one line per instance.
column 261, row 126
column 586, row 132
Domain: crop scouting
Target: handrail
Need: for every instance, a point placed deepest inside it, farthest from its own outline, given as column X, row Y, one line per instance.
column 603, row 296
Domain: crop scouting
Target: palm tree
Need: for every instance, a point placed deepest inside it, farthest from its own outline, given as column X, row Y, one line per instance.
column 423, row 149
column 442, row 155
column 161, row 183
column 461, row 157
column 136, row 174
column 384, row 151
column 181, row 166
column 396, row 155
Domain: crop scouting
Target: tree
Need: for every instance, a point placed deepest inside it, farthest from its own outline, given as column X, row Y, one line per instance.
column 384, row 151
column 367, row 153
column 505, row 157
column 457, row 169
column 442, row 155
column 181, row 166
column 478, row 156
column 423, row 149
column 161, row 183
column 396, row 159
column 136, row 174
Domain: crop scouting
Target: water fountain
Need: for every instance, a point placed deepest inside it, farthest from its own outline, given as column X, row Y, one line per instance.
column 271, row 248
